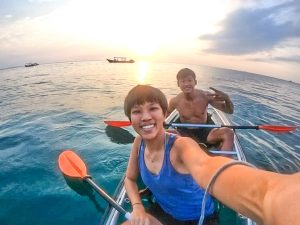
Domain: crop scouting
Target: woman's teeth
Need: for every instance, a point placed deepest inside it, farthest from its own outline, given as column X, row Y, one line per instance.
column 148, row 126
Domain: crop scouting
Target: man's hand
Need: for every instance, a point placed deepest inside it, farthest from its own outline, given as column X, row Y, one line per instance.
column 219, row 95
column 222, row 101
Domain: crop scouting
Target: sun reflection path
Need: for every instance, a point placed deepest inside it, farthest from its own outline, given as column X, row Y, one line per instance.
column 143, row 71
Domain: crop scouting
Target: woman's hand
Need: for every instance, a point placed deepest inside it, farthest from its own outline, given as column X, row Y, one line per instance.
column 139, row 215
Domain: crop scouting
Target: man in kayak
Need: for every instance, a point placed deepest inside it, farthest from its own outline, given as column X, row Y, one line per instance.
column 192, row 106
column 172, row 166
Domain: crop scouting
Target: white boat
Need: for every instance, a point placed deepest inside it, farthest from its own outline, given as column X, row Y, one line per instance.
column 31, row 64
column 120, row 60
column 226, row 215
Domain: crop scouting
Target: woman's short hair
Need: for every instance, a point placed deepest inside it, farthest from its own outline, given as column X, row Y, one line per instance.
column 140, row 94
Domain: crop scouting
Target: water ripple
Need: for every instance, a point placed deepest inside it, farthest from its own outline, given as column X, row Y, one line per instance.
column 62, row 106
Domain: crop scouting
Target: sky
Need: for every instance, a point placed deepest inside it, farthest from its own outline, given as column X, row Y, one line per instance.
column 257, row 36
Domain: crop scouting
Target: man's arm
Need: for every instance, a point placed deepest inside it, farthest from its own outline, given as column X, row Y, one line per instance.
column 171, row 106
column 222, row 101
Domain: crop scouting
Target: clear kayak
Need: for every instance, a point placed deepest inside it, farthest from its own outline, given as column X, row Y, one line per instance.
column 226, row 215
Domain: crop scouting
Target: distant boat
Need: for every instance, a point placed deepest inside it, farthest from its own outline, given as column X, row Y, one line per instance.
column 31, row 64
column 120, row 60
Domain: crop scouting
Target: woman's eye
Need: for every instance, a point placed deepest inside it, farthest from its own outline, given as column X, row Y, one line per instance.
column 135, row 111
column 153, row 108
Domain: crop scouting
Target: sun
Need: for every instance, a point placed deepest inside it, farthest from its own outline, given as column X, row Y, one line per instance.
column 144, row 47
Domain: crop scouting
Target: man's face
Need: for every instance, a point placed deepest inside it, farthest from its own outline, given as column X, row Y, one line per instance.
column 187, row 84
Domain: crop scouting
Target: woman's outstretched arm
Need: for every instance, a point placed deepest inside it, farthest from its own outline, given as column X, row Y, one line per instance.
column 266, row 197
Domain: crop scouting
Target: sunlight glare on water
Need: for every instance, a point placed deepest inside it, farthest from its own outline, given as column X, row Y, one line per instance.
column 143, row 72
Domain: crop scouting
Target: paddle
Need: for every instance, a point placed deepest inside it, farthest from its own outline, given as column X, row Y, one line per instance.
column 272, row 128
column 71, row 165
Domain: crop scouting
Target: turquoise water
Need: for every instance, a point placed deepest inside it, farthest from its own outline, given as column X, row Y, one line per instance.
column 52, row 107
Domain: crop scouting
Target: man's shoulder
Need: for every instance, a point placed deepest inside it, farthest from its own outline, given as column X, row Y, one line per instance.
column 201, row 93
column 176, row 98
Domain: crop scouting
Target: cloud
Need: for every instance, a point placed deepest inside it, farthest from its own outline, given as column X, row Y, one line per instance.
column 295, row 59
column 20, row 9
column 249, row 30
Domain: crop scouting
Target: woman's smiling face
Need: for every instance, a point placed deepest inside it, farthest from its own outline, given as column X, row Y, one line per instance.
column 147, row 119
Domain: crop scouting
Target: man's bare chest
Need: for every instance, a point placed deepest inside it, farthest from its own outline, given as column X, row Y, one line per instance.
column 199, row 104
column 192, row 108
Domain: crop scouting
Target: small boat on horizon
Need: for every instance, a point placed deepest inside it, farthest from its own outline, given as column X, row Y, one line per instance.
column 120, row 60
column 31, row 64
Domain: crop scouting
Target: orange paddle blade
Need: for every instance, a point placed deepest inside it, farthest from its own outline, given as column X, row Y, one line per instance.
column 71, row 165
column 276, row 128
column 118, row 123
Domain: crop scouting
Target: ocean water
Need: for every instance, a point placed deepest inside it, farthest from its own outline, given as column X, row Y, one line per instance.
column 52, row 107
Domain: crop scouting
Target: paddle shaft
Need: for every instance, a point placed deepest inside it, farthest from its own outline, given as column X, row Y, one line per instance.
column 191, row 125
column 108, row 198
column 272, row 128
column 217, row 152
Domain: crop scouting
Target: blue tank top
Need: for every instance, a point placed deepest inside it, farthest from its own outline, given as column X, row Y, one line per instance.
column 177, row 194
